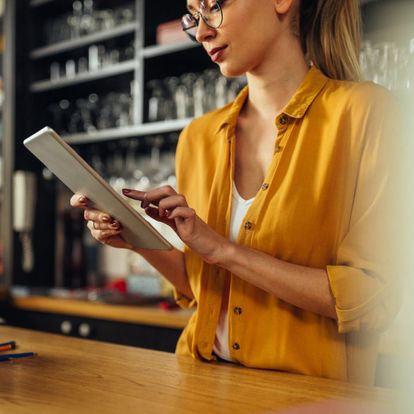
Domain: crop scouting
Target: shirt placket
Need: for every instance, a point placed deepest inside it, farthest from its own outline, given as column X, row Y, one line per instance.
column 237, row 308
column 284, row 128
column 216, row 277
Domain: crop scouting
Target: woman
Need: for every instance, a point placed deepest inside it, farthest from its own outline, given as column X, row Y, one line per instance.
column 281, row 195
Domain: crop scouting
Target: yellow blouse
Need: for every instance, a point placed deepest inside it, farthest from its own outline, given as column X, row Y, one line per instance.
column 323, row 204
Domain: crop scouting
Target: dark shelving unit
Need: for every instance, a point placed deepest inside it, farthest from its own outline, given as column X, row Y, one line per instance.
column 171, row 59
column 37, row 3
column 150, row 128
column 113, row 70
column 67, row 45
column 161, row 50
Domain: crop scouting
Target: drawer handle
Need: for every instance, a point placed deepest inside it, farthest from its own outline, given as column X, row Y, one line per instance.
column 66, row 327
column 84, row 330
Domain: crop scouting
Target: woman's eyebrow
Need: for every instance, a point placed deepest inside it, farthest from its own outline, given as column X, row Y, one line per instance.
column 191, row 8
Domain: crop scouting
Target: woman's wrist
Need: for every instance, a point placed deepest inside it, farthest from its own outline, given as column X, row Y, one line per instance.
column 223, row 250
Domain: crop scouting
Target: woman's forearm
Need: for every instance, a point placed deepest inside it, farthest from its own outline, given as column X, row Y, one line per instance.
column 305, row 287
column 171, row 264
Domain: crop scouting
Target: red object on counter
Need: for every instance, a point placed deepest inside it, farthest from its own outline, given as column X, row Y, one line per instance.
column 120, row 285
column 167, row 305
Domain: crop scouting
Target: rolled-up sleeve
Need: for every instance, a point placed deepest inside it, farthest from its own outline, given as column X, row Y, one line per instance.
column 372, row 258
column 183, row 301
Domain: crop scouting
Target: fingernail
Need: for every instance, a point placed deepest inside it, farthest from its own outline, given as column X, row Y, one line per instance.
column 105, row 219
column 115, row 225
column 82, row 199
column 126, row 191
column 167, row 213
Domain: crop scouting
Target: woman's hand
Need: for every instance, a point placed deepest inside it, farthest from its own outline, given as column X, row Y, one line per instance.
column 164, row 204
column 103, row 228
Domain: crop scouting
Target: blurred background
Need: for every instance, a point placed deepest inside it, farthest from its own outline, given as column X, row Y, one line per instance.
column 119, row 80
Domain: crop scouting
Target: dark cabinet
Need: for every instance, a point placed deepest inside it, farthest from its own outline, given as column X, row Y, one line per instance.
column 144, row 336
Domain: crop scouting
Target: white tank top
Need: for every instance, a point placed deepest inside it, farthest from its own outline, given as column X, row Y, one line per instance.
column 239, row 209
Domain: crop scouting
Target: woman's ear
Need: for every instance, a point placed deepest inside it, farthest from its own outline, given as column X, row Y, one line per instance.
column 283, row 6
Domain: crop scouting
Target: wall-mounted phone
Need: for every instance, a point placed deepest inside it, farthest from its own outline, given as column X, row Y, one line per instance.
column 24, row 204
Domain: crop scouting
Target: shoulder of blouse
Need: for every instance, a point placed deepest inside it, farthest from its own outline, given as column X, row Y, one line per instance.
column 358, row 94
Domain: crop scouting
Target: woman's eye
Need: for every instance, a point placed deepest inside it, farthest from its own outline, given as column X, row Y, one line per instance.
column 215, row 8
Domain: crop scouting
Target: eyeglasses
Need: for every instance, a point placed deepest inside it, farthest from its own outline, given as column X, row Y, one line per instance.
column 210, row 11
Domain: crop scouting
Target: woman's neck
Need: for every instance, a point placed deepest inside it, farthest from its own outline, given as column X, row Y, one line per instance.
column 273, row 84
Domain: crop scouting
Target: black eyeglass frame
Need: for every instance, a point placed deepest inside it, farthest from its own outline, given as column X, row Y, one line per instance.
column 219, row 3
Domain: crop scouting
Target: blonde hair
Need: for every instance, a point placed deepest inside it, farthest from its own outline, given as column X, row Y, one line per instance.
column 330, row 34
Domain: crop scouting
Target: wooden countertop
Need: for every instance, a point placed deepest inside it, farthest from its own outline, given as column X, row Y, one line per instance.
column 73, row 375
column 146, row 315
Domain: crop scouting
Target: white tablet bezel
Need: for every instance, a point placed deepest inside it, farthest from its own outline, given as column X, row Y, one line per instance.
column 66, row 164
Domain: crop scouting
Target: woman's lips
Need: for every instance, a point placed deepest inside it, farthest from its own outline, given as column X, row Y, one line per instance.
column 217, row 53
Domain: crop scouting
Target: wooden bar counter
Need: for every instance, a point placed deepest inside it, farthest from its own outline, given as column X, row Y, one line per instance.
column 72, row 375
column 147, row 315
column 145, row 325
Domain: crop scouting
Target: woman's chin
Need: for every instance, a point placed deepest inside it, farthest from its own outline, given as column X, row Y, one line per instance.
column 231, row 71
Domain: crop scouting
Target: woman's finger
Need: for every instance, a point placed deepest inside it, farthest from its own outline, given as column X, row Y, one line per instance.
column 110, row 239
column 150, row 197
column 97, row 215
column 153, row 213
column 100, row 233
column 96, row 224
column 171, row 203
column 183, row 213
column 79, row 201
column 104, row 235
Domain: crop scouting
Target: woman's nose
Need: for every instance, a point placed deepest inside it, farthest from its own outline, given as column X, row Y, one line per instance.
column 204, row 32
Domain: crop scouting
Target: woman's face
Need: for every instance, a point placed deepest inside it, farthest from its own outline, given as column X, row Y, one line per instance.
column 250, row 32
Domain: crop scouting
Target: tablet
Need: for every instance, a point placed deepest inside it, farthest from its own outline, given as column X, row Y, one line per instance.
column 66, row 164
